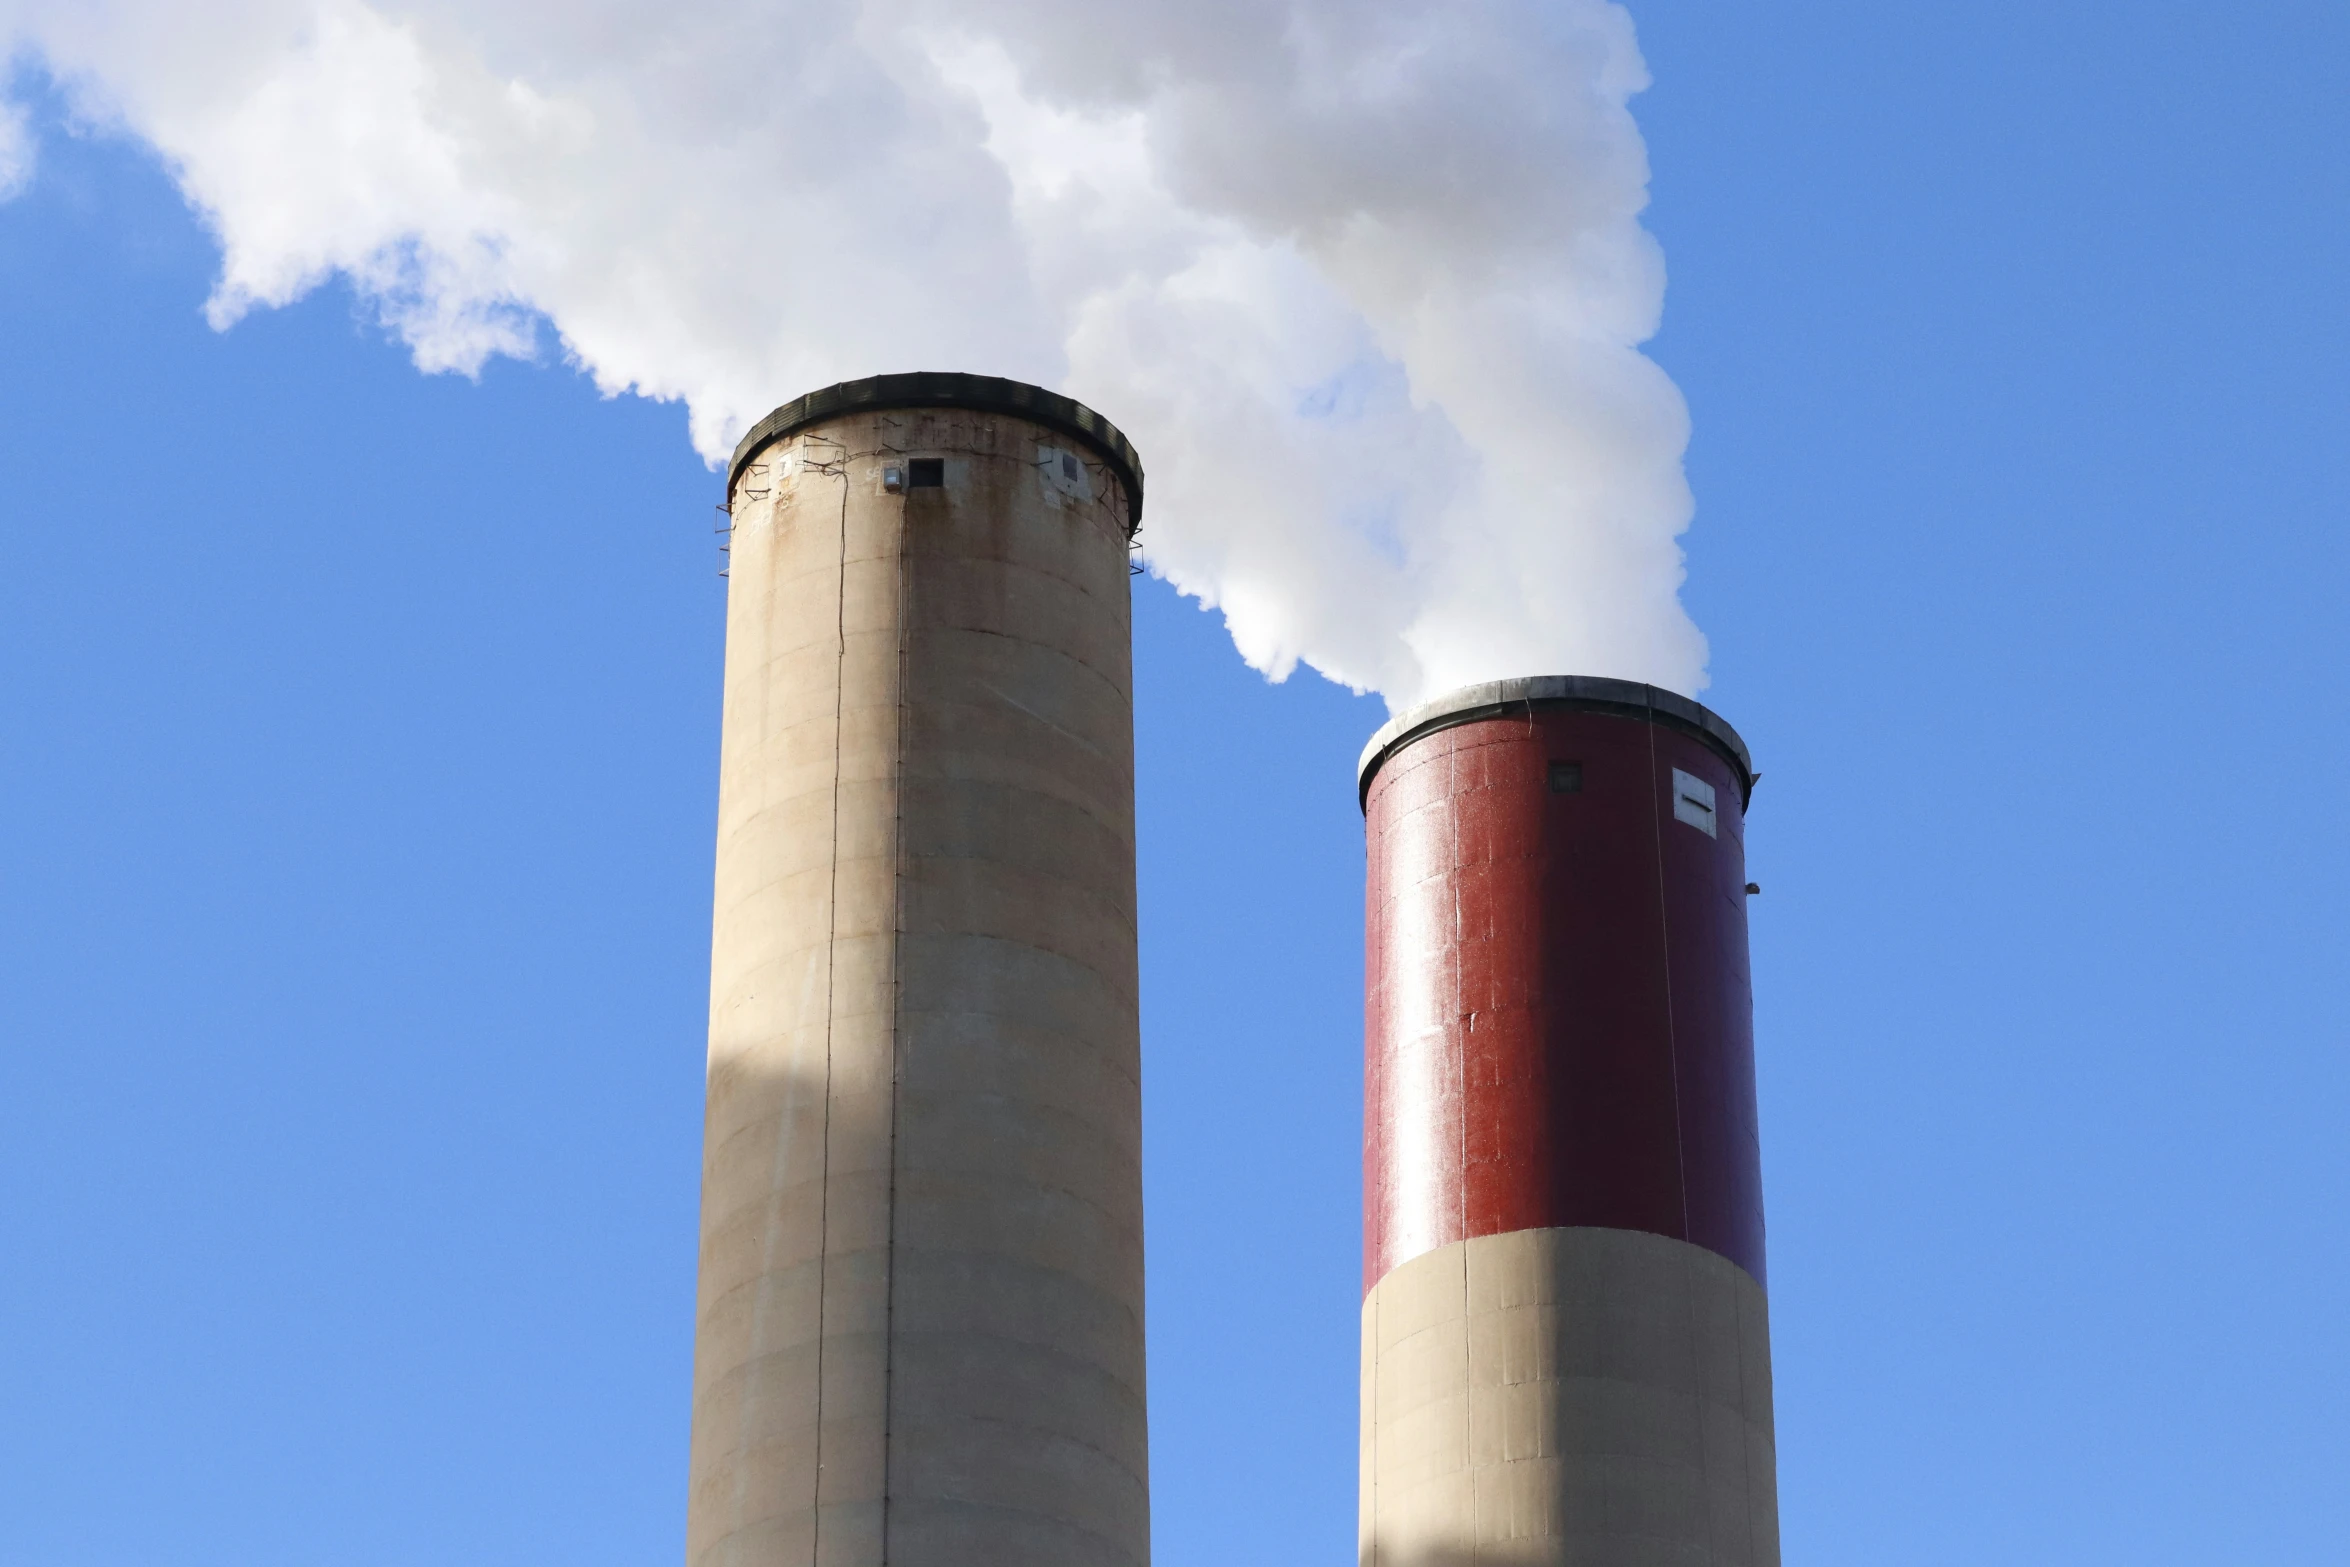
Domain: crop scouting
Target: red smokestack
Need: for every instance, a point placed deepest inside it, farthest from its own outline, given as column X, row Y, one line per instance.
column 1566, row 1353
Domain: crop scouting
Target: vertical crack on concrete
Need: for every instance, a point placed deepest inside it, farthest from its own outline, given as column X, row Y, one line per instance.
column 897, row 939
column 831, row 951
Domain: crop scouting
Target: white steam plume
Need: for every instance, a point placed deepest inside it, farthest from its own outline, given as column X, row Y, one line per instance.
column 1363, row 279
column 16, row 149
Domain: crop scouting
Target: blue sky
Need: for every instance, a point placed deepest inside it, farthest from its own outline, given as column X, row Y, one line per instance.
column 357, row 771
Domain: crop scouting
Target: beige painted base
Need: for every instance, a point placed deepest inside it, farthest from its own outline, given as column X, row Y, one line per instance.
column 1568, row 1398
column 920, row 1336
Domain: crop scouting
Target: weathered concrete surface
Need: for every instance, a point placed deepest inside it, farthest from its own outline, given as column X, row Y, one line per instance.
column 920, row 1335
column 1568, row 1398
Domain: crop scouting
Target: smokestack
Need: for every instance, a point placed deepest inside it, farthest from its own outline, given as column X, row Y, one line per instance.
column 1566, row 1351
column 919, row 1336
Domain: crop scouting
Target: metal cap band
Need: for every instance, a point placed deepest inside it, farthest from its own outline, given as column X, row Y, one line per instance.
column 1591, row 693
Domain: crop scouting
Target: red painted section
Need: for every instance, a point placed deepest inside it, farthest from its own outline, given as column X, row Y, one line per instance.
column 1559, row 1019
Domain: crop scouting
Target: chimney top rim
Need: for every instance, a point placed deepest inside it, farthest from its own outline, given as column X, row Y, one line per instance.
column 1587, row 693
column 952, row 389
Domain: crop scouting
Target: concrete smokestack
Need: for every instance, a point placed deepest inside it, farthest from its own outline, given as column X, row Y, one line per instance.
column 920, row 1335
column 1566, row 1351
